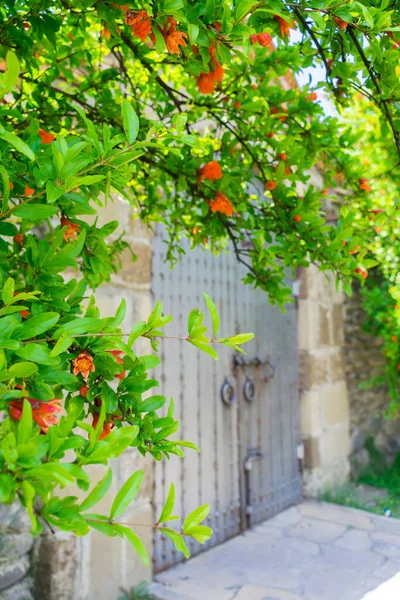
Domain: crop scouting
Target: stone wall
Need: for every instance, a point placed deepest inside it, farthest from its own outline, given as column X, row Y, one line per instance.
column 323, row 390
column 15, row 546
column 364, row 360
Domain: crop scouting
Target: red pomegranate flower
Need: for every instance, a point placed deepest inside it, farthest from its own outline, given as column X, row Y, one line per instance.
column 119, row 360
column 71, row 229
column 83, row 363
column 285, row 26
column 210, row 171
column 221, row 204
column 46, row 137
column 364, row 185
column 42, row 412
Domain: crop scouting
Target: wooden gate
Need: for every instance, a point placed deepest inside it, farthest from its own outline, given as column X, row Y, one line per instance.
column 241, row 411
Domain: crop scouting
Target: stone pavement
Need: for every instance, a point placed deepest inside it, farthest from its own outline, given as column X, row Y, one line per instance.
column 313, row 551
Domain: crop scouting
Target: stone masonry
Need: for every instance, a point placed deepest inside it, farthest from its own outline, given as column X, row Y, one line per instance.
column 323, row 390
column 364, row 360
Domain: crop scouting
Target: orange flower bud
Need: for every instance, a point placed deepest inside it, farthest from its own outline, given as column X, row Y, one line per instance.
column 210, row 171
column 362, row 272
column 340, row 22
column 83, row 391
column 265, row 39
column 297, row 218
column 28, row 192
column 270, row 185
column 46, row 137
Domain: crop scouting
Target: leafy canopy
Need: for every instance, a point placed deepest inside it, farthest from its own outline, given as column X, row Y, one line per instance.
column 190, row 112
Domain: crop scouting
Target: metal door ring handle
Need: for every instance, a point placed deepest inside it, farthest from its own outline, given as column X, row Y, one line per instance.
column 249, row 390
column 228, row 394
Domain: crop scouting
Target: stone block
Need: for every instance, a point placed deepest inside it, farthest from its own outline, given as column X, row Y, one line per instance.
column 357, row 440
column 138, row 271
column 310, row 410
column 54, row 566
column 308, row 324
column 336, row 365
column 308, row 283
column 318, row 480
column 139, row 230
column 22, row 590
column 13, row 571
column 337, row 325
column 312, row 455
column 116, row 209
column 13, row 546
column 313, row 370
column 335, row 404
column 335, row 444
column 324, row 338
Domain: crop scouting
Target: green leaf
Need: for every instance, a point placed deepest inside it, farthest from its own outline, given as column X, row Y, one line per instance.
column 76, row 182
column 168, row 506
column 110, row 397
column 213, row 313
column 62, row 345
column 150, row 404
column 177, row 539
column 204, row 347
column 137, row 543
column 53, row 191
column 104, row 528
column 25, row 424
column 79, row 326
column 160, row 42
column 6, row 187
column 29, row 497
column 137, row 330
column 166, row 432
column 8, row 487
column 126, row 494
column 186, row 444
column 130, row 121
column 193, row 318
column 195, row 517
column 243, row 8
column 38, row 353
column 21, row 370
column 17, row 143
column 193, row 31
column 35, row 212
column 98, row 492
column 10, row 78
column 241, row 338
column 37, row 325
column 8, row 290
column 201, row 533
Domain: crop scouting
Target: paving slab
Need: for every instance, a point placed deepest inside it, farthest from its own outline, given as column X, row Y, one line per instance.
column 312, row 551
